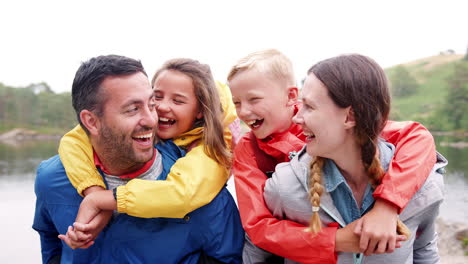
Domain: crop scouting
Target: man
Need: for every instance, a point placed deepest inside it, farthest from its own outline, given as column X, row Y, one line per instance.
column 115, row 105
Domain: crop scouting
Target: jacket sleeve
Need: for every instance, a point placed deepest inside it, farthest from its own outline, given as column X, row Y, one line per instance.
column 192, row 182
column 425, row 249
column 414, row 158
column 51, row 246
column 281, row 237
column 76, row 154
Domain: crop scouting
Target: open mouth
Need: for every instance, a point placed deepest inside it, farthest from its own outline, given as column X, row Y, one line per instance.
column 166, row 121
column 253, row 124
column 309, row 136
column 143, row 138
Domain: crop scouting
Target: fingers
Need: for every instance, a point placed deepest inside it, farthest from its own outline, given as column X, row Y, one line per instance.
column 72, row 234
column 75, row 239
column 82, row 227
column 390, row 247
column 364, row 241
column 358, row 227
column 400, row 238
column 371, row 247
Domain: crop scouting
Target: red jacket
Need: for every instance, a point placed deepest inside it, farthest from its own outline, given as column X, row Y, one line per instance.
column 414, row 157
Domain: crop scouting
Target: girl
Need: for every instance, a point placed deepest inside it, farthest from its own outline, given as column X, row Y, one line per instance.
column 346, row 104
column 190, row 115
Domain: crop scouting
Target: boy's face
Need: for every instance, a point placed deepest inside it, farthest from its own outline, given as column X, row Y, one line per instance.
column 264, row 103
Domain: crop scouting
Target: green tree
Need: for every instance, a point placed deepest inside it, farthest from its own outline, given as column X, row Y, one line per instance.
column 402, row 82
column 456, row 105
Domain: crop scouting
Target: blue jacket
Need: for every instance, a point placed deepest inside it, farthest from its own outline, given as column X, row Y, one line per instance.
column 214, row 229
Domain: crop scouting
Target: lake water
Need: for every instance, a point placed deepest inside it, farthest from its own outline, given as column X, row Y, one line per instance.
column 19, row 243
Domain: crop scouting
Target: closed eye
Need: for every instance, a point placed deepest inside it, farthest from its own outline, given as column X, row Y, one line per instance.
column 132, row 109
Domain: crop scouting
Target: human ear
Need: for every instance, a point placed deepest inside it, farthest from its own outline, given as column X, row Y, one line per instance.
column 350, row 120
column 90, row 121
column 199, row 115
column 293, row 94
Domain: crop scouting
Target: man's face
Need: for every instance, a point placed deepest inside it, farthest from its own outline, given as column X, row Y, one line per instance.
column 261, row 102
column 127, row 126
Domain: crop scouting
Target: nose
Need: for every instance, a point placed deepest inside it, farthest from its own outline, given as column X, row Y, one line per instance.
column 243, row 111
column 298, row 118
column 162, row 106
column 149, row 118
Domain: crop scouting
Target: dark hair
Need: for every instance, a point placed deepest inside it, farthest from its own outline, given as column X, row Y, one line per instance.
column 210, row 105
column 86, row 92
column 358, row 82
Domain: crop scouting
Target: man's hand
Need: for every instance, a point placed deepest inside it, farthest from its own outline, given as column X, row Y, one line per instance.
column 94, row 214
column 74, row 240
column 377, row 229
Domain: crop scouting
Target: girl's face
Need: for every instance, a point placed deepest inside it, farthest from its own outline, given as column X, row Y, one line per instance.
column 324, row 123
column 176, row 104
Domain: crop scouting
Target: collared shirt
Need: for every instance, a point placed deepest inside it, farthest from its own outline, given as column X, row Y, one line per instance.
column 342, row 194
column 130, row 175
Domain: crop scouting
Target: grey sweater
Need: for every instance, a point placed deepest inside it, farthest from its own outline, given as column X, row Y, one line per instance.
column 286, row 195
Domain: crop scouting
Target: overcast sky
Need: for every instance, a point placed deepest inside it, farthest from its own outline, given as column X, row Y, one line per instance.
column 46, row 40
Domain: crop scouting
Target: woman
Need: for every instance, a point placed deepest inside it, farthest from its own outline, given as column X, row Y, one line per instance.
column 346, row 103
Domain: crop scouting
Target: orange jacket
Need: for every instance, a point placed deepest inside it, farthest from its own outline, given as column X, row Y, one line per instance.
column 414, row 157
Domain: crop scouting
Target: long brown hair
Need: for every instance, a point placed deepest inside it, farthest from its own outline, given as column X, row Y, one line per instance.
column 358, row 82
column 210, row 105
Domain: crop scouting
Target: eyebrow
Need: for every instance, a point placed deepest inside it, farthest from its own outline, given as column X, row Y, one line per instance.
column 175, row 94
column 307, row 101
column 137, row 101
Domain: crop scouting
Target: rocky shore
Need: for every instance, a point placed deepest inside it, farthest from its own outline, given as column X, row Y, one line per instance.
column 450, row 243
column 25, row 134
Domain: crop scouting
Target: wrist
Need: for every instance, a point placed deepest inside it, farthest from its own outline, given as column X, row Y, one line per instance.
column 92, row 189
column 385, row 206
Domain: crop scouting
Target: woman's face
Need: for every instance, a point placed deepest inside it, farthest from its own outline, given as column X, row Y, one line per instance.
column 323, row 122
column 176, row 103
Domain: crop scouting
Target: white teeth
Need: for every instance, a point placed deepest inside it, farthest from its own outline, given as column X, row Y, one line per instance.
column 144, row 136
column 164, row 119
column 251, row 122
column 307, row 134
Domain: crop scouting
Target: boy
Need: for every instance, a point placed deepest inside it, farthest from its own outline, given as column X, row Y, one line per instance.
column 264, row 93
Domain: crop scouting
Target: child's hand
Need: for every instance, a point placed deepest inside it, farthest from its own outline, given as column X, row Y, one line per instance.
column 346, row 240
column 92, row 229
column 76, row 239
column 377, row 229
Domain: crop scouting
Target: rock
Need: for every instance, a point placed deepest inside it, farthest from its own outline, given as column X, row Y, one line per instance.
column 18, row 134
column 450, row 248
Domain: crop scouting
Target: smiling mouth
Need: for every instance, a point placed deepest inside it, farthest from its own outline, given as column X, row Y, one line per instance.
column 144, row 137
column 309, row 136
column 255, row 123
column 166, row 121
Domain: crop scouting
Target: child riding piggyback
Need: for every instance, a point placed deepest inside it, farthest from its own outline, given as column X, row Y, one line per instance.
column 265, row 95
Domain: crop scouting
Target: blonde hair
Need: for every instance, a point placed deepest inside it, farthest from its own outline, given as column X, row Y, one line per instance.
column 270, row 61
column 210, row 105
